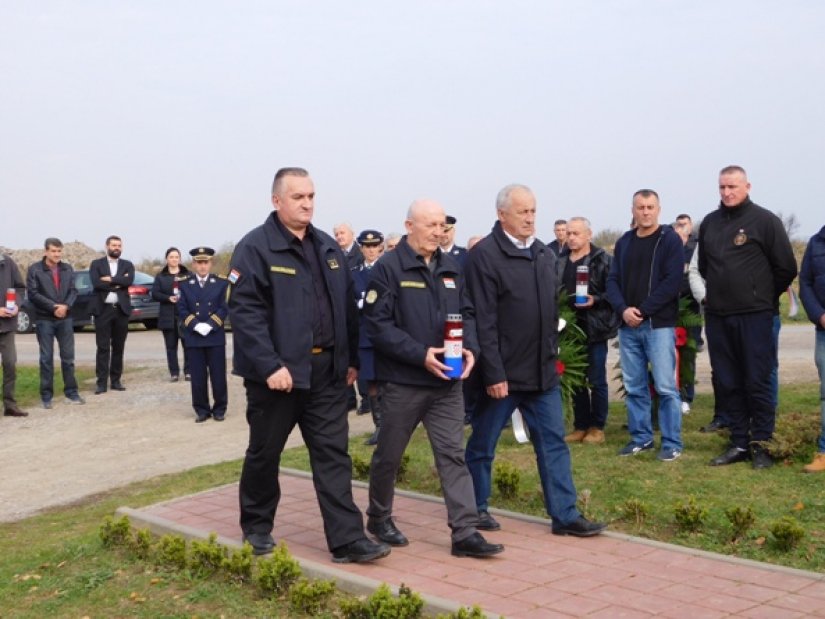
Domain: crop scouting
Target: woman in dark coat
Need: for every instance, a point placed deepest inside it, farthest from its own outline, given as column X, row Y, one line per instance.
column 165, row 290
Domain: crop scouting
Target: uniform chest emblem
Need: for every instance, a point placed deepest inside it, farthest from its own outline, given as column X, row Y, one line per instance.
column 372, row 297
column 449, row 282
column 333, row 263
column 741, row 238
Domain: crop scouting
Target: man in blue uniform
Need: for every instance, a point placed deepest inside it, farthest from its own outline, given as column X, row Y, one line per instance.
column 448, row 246
column 409, row 297
column 295, row 332
column 371, row 242
column 202, row 311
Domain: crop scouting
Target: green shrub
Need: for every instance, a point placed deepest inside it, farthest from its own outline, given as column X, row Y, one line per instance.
column 634, row 510
column 115, row 532
column 741, row 520
column 403, row 468
column 463, row 613
column 507, row 478
column 689, row 516
column 360, row 468
column 793, row 436
column 238, row 566
column 277, row 573
column 206, row 557
column 171, row 550
column 141, row 543
column 384, row 605
column 787, row 533
column 310, row 597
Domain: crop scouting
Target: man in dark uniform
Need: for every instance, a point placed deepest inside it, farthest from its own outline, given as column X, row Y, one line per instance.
column 448, row 245
column 202, row 311
column 295, row 330
column 371, row 242
column 10, row 278
column 111, row 277
column 409, row 297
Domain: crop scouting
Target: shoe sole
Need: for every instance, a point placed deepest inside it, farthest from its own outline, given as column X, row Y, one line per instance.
column 406, row 542
column 636, row 453
column 488, row 527
column 476, row 555
column 362, row 558
column 578, row 533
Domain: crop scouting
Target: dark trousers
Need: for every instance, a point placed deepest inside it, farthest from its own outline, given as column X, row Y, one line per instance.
column 208, row 364
column 9, row 353
column 111, row 329
column 590, row 402
column 441, row 410
column 321, row 414
column 171, row 337
column 47, row 332
column 743, row 353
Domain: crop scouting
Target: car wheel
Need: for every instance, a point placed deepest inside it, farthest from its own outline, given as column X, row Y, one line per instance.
column 24, row 322
column 150, row 324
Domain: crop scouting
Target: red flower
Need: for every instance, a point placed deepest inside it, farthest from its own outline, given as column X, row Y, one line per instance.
column 559, row 367
column 681, row 337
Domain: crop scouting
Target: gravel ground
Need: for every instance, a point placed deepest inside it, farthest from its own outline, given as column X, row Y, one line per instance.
column 58, row 456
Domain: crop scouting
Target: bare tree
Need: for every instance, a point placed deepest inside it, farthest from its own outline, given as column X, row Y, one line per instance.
column 607, row 238
column 790, row 222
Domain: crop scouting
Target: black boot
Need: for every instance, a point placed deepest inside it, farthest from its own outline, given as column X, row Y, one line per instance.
column 375, row 409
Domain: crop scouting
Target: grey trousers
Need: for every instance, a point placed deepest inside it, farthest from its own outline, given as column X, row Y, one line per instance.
column 441, row 410
column 9, row 353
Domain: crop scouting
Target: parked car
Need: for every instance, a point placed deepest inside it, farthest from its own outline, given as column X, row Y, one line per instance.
column 144, row 309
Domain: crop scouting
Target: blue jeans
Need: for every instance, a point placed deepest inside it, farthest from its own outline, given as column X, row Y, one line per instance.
column 543, row 415
column 47, row 331
column 590, row 402
column 819, row 357
column 646, row 348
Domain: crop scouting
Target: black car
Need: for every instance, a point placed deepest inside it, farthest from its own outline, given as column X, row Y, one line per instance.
column 144, row 309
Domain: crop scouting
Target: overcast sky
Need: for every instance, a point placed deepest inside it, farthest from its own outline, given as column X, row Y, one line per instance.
column 164, row 121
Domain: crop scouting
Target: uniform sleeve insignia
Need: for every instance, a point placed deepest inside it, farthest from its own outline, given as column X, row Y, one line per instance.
column 449, row 282
column 372, row 296
column 234, row 274
column 333, row 263
column 741, row 238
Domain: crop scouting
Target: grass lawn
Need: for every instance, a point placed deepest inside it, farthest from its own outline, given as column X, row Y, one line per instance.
column 27, row 389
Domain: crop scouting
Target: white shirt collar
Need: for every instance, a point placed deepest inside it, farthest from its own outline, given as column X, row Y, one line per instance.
column 519, row 244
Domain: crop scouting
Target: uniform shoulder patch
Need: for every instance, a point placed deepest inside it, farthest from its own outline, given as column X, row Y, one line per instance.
column 234, row 276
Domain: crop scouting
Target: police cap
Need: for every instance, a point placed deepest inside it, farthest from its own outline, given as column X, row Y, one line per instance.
column 201, row 253
column 370, row 238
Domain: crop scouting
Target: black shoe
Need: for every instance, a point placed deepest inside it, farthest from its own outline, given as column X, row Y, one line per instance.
column 760, row 458
column 372, row 441
column 118, row 386
column 486, row 522
column 363, row 410
column 187, row 378
column 360, row 551
column 714, row 426
column 262, row 543
column 475, row 546
column 387, row 532
column 175, row 378
column 218, row 417
column 581, row 527
column 13, row 411
column 100, row 389
column 731, row 456
column 201, row 418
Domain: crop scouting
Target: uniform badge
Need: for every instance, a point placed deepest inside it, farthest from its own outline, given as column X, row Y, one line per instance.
column 372, row 297
column 741, row 238
column 233, row 276
column 211, row 280
column 449, row 282
column 333, row 263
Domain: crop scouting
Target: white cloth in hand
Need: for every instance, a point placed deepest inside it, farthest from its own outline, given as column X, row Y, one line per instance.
column 203, row 328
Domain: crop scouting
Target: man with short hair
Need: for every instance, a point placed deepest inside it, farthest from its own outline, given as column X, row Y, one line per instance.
column 560, row 231
column 410, row 297
column 295, row 331
column 747, row 261
column 202, row 312
column 599, row 322
column 512, row 278
column 10, row 278
column 345, row 237
column 52, row 292
column 448, row 245
column 111, row 277
column 393, row 238
column 684, row 228
column 643, row 288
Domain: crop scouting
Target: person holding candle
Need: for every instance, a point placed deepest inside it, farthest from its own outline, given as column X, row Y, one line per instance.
column 166, row 290
column 11, row 283
column 595, row 316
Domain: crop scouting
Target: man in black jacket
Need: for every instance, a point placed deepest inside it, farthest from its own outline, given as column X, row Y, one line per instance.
column 111, row 277
column 412, row 292
column 747, row 261
column 599, row 322
column 52, row 292
column 10, row 278
column 295, row 333
column 512, row 277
